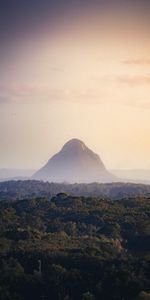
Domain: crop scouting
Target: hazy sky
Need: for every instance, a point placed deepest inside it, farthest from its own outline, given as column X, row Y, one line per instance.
column 74, row 69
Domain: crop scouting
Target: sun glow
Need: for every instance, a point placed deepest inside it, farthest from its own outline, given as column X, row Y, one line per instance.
column 87, row 76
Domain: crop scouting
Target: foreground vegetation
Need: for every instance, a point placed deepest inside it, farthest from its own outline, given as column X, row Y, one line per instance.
column 88, row 248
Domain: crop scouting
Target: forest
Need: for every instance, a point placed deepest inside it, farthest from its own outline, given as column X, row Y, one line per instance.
column 15, row 190
column 71, row 247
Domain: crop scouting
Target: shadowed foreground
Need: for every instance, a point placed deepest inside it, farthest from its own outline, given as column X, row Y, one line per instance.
column 88, row 248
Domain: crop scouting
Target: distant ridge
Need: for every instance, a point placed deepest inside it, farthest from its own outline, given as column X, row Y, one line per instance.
column 15, row 173
column 75, row 162
column 11, row 190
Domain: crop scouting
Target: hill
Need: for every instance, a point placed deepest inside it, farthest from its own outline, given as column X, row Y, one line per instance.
column 74, row 163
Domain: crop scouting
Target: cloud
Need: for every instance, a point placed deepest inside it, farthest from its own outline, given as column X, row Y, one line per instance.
column 56, row 69
column 134, row 80
column 108, row 93
column 131, row 80
column 140, row 61
column 4, row 99
column 20, row 92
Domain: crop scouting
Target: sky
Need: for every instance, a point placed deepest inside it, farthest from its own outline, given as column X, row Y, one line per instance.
column 74, row 69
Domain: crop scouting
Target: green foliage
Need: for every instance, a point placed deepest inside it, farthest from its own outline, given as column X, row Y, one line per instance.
column 90, row 248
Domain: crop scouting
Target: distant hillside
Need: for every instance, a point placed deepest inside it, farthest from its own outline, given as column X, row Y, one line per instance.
column 15, row 173
column 12, row 190
column 135, row 174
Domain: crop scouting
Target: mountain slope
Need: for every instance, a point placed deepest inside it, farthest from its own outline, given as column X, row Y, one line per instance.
column 74, row 163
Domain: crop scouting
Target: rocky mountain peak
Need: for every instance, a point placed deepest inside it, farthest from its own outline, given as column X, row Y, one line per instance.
column 75, row 162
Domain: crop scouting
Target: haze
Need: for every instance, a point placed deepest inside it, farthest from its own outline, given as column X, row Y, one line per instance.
column 75, row 71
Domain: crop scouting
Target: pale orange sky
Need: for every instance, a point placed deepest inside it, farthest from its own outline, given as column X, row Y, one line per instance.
column 89, row 78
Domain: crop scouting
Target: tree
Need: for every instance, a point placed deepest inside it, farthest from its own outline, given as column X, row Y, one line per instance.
column 88, row 296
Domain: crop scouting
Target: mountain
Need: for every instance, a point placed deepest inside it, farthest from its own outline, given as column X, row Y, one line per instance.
column 74, row 163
